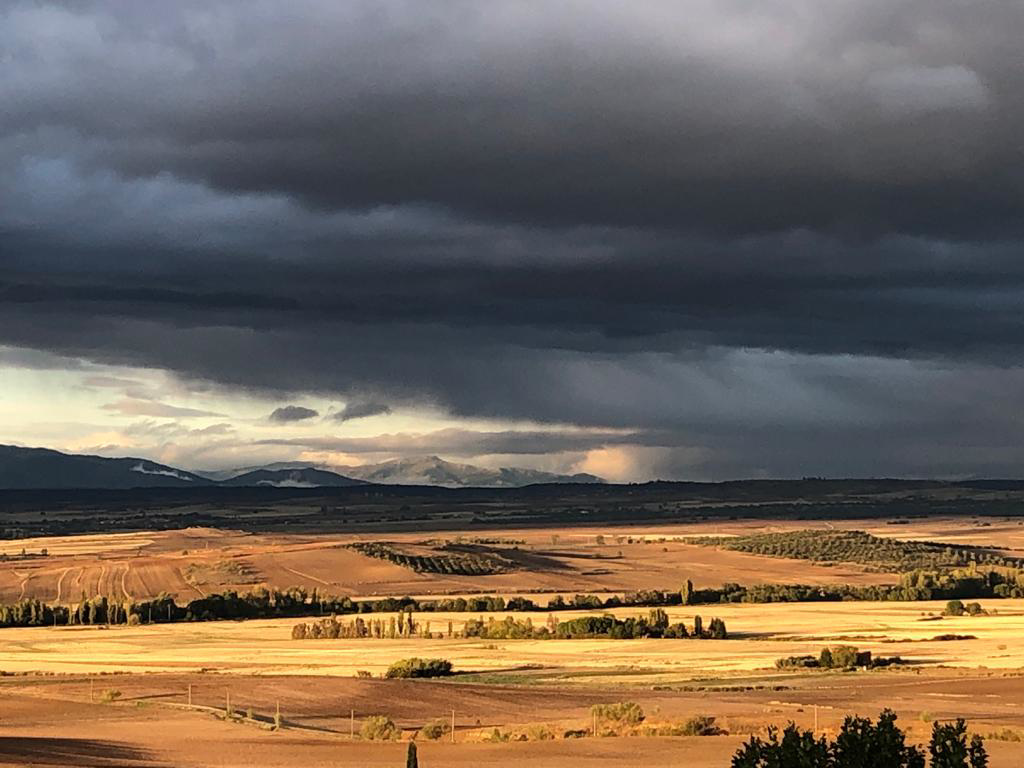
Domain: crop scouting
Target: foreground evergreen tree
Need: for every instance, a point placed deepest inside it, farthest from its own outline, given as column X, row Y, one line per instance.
column 863, row 744
column 976, row 754
column 949, row 749
column 796, row 749
column 411, row 760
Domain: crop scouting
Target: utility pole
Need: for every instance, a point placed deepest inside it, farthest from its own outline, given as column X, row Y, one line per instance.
column 594, row 731
column 227, row 703
column 352, row 725
column 453, row 726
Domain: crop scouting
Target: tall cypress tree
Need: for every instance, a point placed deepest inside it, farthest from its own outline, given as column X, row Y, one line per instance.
column 686, row 593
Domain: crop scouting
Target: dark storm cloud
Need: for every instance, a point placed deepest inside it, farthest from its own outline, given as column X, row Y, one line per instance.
column 687, row 221
column 288, row 414
column 361, row 410
column 721, row 117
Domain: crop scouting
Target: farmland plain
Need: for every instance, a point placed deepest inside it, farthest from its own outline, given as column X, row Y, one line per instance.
column 57, row 679
column 193, row 562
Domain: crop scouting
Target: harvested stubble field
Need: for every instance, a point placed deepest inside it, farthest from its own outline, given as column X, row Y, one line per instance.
column 514, row 685
column 317, row 715
column 47, row 716
column 760, row 635
column 194, row 562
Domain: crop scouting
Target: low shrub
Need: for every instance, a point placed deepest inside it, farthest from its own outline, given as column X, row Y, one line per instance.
column 797, row 662
column 434, row 730
column 701, row 725
column 109, row 695
column 1007, row 734
column 416, row 667
column 839, row 657
column 539, row 733
column 622, row 712
column 958, row 608
column 379, row 728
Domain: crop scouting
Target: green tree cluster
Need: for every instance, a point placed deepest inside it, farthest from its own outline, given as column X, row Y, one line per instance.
column 862, row 743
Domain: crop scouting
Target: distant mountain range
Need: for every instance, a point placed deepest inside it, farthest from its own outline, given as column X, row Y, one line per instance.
column 37, row 468
column 42, row 468
column 422, row 470
column 433, row 470
column 299, row 477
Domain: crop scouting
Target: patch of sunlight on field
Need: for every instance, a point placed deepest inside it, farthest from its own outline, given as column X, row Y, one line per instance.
column 763, row 633
column 85, row 544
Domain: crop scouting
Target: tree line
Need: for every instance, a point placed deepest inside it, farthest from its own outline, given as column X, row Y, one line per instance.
column 404, row 625
column 262, row 603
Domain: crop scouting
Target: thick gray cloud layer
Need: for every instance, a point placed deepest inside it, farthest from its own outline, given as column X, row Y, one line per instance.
column 783, row 234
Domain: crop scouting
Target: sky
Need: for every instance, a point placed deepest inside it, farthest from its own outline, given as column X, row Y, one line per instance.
column 699, row 240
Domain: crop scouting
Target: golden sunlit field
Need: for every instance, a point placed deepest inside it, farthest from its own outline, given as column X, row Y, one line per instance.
column 760, row 634
column 104, row 696
column 194, row 562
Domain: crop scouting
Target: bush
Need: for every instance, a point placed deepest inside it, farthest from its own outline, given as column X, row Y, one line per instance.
column 840, row 657
column 848, row 657
column 622, row 712
column 416, row 667
column 844, row 656
column 539, row 733
column 1007, row 734
column 717, row 630
column 954, row 608
column 434, row 730
column 799, row 662
column 109, row 695
column 379, row 728
column 701, row 725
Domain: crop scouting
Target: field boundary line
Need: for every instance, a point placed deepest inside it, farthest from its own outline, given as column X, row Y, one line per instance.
column 306, row 575
column 181, row 576
column 60, row 582
column 124, row 586
column 219, row 713
column 24, row 583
